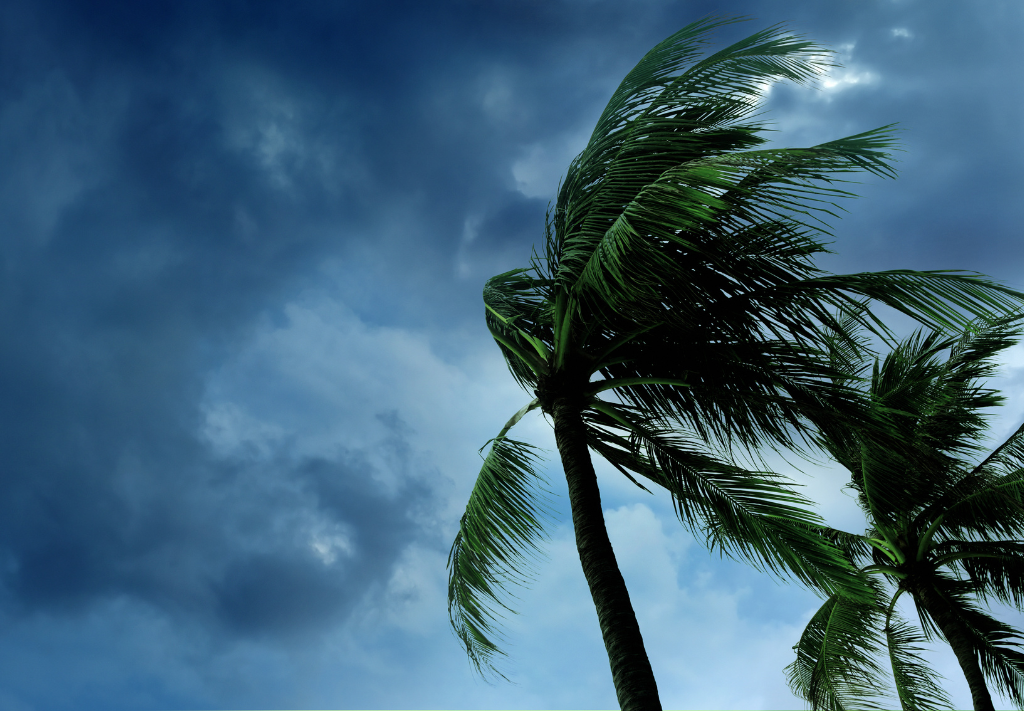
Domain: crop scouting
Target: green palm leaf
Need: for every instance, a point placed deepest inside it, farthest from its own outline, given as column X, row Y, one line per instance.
column 916, row 684
column 519, row 321
column 836, row 664
column 498, row 536
column 983, row 506
column 749, row 392
column 937, row 299
column 853, row 547
column 996, row 568
column 1005, row 459
column 753, row 515
column 740, row 214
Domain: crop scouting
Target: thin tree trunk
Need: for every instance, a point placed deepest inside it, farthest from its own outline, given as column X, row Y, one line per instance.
column 960, row 640
column 634, row 682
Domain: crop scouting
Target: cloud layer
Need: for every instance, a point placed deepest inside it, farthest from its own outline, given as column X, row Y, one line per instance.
column 244, row 372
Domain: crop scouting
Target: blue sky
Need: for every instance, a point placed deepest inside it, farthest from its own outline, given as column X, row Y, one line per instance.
column 245, row 372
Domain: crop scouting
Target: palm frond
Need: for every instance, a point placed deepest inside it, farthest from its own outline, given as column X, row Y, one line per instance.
column 652, row 74
column 641, row 120
column 668, row 118
column 1002, row 662
column 847, row 346
column 618, row 451
column 941, row 300
column 853, row 546
column 983, row 506
column 751, row 515
column 747, row 393
column 772, row 53
column 929, row 409
column 916, row 683
column 498, row 536
column 898, row 467
column 956, row 425
column 996, row 568
column 739, row 220
column 519, row 318
column 1006, row 458
column 836, row 665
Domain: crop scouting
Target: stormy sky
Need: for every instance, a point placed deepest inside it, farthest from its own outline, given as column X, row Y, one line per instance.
column 244, row 372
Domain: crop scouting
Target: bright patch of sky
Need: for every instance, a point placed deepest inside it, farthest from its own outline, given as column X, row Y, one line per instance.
column 542, row 165
column 850, row 74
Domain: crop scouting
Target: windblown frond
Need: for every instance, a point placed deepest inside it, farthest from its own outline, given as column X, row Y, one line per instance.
column 1005, row 459
column 853, row 547
column 999, row 650
column 996, row 568
column 917, row 684
column 751, row 393
column 519, row 319
column 661, row 117
column 847, row 347
column 914, row 462
column 727, row 218
column 753, row 515
column 670, row 218
column 896, row 469
column 836, row 665
column 939, row 300
column 984, row 507
column 498, row 536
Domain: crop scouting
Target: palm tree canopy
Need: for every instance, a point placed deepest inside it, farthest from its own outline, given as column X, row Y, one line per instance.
column 678, row 267
column 938, row 520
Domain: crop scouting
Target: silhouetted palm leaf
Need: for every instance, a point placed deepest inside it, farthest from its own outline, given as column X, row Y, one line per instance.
column 836, row 663
column 497, row 536
column 917, row 685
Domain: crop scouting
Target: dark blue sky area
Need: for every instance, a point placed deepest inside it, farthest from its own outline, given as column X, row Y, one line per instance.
column 244, row 370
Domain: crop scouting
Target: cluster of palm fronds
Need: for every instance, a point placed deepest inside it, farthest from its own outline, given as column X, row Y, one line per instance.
column 678, row 271
column 944, row 529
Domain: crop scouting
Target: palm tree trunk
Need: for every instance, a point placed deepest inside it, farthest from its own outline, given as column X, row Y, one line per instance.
column 634, row 682
column 960, row 640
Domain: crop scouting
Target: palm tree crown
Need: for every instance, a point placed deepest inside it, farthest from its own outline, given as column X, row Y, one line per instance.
column 935, row 518
column 677, row 268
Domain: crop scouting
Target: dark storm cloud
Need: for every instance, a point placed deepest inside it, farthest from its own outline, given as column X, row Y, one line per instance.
column 170, row 168
column 141, row 236
column 142, row 230
column 233, row 544
column 943, row 77
column 502, row 237
column 291, row 590
column 169, row 171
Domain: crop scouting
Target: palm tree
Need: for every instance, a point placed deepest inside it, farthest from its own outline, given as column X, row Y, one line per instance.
column 678, row 267
column 933, row 516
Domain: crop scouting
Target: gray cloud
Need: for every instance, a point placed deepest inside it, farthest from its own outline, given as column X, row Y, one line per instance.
column 194, row 457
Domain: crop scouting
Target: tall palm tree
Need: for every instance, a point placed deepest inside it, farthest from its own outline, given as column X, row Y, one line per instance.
column 934, row 517
column 678, row 268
